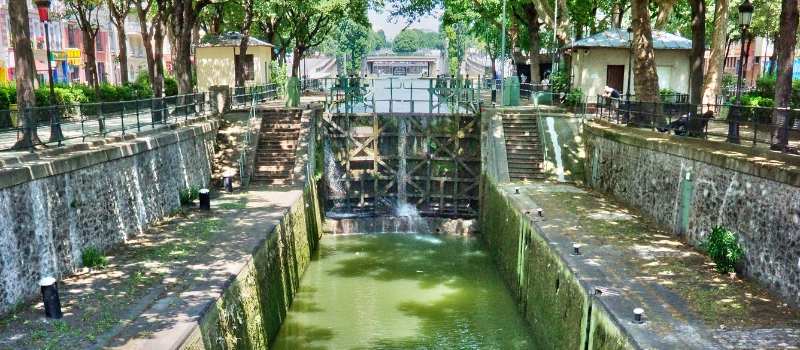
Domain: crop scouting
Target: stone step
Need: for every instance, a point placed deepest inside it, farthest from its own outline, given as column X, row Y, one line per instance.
column 282, row 168
column 269, row 181
column 272, row 142
column 277, row 136
column 275, row 155
column 273, row 174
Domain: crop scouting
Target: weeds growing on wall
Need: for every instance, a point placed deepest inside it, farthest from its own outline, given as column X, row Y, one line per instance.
column 722, row 246
column 93, row 258
column 189, row 195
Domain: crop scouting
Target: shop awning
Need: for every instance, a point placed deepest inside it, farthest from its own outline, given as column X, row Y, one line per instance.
column 40, row 66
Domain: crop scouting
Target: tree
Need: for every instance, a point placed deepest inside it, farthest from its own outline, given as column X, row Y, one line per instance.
column 310, row 21
column 786, row 44
column 247, row 21
column 24, row 72
column 530, row 18
column 408, row 40
column 379, row 40
column 713, row 80
column 352, row 39
column 118, row 11
column 645, row 77
column 183, row 16
column 458, row 39
column 698, row 13
column 85, row 13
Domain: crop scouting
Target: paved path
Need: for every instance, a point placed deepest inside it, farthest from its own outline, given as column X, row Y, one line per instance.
column 158, row 284
column 688, row 305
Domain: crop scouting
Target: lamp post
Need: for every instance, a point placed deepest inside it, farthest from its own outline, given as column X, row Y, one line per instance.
column 745, row 15
column 55, row 127
column 503, row 60
column 630, row 64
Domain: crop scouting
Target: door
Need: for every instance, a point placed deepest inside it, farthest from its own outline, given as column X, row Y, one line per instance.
column 615, row 76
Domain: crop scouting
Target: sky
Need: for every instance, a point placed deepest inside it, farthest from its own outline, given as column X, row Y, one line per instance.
column 381, row 21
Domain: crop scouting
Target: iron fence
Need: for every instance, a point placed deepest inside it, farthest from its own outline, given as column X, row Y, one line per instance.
column 48, row 126
column 716, row 122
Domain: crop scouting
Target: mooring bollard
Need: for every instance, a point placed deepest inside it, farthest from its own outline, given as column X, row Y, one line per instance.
column 205, row 199
column 226, row 181
column 52, row 304
column 637, row 315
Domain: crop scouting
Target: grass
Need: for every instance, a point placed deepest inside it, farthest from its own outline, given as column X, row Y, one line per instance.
column 240, row 204
column 94, row 259
column 145, row 264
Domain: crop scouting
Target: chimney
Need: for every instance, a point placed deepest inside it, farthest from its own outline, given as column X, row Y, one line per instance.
column 615, row 16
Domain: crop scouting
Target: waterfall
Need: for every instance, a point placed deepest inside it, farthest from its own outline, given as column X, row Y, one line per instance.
column 333, row 176
column 402, row 195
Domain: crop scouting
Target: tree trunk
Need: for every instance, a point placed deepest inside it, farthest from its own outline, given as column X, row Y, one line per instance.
column 532, row 18
column 783, row 84
column 698, row 51
column 158, row 58
column 24, row 72
column 665, row 9
column 774, row 57
column 123, row 52
column 182, row 63
column 645, row 77
column 245, row 30
column 90, row 50
column 299, row 51
column 146, row 41
column 713, row 79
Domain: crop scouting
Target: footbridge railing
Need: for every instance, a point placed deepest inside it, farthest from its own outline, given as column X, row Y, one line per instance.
column 393, row 95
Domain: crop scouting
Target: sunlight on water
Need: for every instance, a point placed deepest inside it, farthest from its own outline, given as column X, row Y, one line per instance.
column 393, row 291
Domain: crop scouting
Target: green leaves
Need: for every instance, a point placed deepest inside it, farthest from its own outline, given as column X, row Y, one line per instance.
column 723, row 247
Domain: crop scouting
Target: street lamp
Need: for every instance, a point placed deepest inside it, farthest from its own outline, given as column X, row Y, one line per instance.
column 745, row 15
column 55, row 127
column 503, row 60
column 630, row 63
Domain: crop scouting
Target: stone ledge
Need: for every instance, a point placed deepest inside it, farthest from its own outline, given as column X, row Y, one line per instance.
column 67, row 159
column 7, row 160
column 765, row 164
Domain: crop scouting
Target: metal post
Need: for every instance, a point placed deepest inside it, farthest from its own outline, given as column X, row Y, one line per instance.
column 503, row 58
column 55, row 125
column 733, row 124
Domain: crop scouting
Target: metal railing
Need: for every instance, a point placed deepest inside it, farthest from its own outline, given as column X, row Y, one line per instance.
column 51, row 126
column 244, row 96
column 244, row 155
column 391, row 95
column 716, row 122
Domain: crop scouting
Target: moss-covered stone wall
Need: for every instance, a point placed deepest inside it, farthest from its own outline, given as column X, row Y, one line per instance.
column 555, row 304
column 249, row 313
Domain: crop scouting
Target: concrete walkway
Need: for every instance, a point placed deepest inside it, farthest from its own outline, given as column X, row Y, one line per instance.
column 628, row 263
column 157, row 285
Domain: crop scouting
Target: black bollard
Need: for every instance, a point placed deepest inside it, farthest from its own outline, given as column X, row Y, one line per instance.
column 205, row 199
column 226, row 181
column 52, row 304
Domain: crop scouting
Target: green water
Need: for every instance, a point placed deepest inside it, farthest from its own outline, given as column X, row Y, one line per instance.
column 395, row 291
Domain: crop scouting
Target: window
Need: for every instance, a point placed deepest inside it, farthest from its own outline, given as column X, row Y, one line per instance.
column 71, row 36
column 99, row 41
column 249, row 69
column 101, row 72
column 756, row 59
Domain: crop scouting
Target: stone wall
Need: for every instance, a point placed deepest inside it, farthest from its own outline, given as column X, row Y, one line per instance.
column 250, row 312
column 754, row 193
column 52, row 210
column 551, row 298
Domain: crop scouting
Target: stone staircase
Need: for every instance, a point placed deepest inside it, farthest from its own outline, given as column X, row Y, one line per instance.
column 277, row 145
column 523, row 147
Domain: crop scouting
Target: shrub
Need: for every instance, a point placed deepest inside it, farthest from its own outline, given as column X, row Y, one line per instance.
column 574, row 98
column 187, row 196
column 765, row 86
column 170, row 86
column 559, row 80
column 93, row 258
column 723, row 247
column 277, row 73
